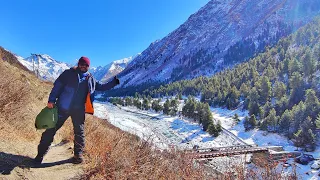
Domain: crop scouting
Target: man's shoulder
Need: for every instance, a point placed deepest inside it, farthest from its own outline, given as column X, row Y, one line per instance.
column 67, row 73
column 71, row 70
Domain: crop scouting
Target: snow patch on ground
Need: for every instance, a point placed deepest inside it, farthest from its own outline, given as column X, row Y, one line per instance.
column 165, row 131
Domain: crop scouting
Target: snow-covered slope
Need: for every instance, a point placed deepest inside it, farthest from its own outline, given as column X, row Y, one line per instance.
column 220, row 34
column 44, row 66
column 104, row 73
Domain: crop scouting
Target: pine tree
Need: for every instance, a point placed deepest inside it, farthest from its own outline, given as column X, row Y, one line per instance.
column 130, row 101
column 318, row 122
column 270, row 73
column 298, row 115
column 166, row 107
column 233, row 99
column 253, row 102
column 281, row 105
column 272, row 120
column 246, row 124
column 219, row 98
column 305, row 137
column 285, row 121
column 265, row 89
column 298, row 138
column 294, row 66
column 279, row 89
column 218, row 126
column 136, row 102
column 236, row 118
column 213, row 130
column 208, row 118
column 309, row 63
column 244, row 90
column 296, row 84
column 173, row 107
column 192, row 109
column 265, row 110
column 145, row 104
column 121, row 101
column 312, row 104
column 156, row 105
column 253, row 120
column 185, row 109
column 198, row 114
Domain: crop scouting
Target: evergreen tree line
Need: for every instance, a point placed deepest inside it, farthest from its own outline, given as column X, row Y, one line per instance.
column 198, row 111
column 170, row 107
column 279, row 87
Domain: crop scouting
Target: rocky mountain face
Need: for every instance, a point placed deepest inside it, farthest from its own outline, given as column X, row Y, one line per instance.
column 220, row 35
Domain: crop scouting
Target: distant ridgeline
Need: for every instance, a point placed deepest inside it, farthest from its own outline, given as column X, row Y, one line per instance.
column 279, row 87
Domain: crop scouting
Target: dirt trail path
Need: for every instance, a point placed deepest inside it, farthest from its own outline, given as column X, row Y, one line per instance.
column 56, row 164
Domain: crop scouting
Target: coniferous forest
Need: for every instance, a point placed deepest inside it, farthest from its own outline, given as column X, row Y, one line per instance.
column 279, row 87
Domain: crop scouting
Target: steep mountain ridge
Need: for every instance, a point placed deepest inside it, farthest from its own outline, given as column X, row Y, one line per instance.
column 219, row 35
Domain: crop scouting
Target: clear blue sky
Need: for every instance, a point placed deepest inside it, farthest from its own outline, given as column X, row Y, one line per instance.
column 103, row 30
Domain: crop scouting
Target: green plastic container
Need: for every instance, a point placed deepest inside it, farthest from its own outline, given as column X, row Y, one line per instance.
column 47, row 118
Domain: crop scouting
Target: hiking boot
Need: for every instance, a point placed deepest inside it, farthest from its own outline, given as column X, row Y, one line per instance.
column 38, row 160
column 77, row 159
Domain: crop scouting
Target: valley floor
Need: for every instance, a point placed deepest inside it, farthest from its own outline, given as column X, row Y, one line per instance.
column 165, row 131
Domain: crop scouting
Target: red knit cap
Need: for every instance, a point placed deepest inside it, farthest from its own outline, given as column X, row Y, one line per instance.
column 84, row 59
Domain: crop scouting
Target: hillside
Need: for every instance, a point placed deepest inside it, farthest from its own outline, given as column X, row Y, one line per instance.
column 219, row 35
column 110, row 152
column 280, row 87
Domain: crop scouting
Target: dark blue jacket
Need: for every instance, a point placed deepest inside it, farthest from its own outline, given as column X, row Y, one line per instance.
column 66, row 86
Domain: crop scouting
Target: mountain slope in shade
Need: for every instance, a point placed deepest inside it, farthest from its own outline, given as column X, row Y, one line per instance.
column 221, row 34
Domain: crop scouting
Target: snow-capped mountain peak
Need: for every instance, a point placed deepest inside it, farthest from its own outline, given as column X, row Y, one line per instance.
column 104, row 73
column 44, row 66
column 49, row 69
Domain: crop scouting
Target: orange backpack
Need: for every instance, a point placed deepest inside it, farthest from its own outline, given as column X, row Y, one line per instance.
column 89, row 105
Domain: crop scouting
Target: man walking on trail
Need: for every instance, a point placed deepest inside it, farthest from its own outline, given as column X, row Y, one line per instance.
column 73, row 93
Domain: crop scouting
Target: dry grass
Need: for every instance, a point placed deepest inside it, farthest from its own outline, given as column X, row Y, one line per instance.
column 114, row 154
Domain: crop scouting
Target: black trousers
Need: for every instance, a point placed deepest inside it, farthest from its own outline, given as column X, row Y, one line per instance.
column 78, row 117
